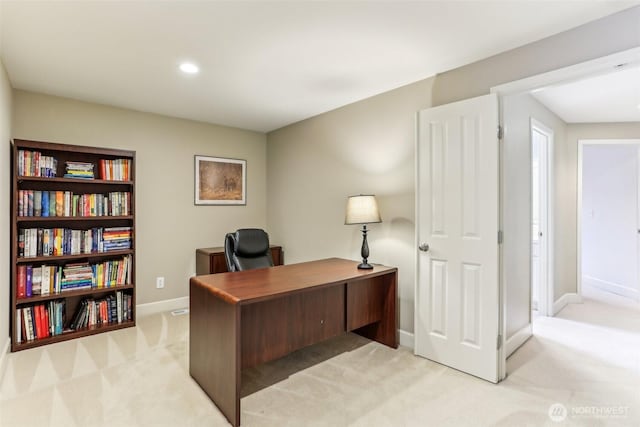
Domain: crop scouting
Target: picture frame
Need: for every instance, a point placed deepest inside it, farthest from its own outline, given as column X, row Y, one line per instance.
column 220, row 181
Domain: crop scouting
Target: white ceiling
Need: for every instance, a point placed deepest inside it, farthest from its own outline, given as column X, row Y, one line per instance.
column 611, row 97
column 263, row 64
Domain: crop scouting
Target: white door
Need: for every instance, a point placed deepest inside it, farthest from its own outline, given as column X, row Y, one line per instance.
column 541, row 141
column 457, row 289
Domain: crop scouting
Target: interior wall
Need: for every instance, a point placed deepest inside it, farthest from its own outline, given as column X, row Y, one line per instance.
column 363, row 148
column 610, row 218
column 518, row 110
column 169, row 227
column 6, row 103
column 369, row 147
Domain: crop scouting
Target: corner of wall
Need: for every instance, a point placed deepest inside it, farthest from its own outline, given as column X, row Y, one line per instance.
column 6, row 112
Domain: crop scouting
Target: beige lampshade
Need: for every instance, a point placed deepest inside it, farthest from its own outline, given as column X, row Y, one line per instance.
column 362, row 209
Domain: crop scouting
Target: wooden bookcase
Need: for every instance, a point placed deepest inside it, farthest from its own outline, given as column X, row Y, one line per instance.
column 110, row 219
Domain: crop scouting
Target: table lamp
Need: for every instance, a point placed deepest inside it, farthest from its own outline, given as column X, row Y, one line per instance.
column 363, row 209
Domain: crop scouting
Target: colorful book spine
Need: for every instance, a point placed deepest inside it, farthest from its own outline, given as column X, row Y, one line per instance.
column 52, row 203
column 22, row 281
column 45, row 203
column 29, row 281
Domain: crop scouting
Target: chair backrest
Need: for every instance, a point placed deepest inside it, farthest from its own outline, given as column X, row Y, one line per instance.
column 247, row 249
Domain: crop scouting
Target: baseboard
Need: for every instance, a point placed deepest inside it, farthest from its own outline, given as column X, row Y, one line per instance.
column 161, row 306
column 570, row 298
column 518, row 338
column 614, row 288
column 406, row 339
column 3, row 356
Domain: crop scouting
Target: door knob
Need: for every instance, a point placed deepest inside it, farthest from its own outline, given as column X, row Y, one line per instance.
column 424, row 247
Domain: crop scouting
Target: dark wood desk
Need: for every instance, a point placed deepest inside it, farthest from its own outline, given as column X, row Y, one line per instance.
column 212, row 261
column 239, row 320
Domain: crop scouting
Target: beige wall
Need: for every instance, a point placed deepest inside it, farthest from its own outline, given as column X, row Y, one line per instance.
column 369, row 147
column 568, row 198
column 518, row 112
column 366, row 147
column 168, row 226
column 5, row 222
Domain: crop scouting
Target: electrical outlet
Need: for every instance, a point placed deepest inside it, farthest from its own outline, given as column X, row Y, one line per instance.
column 159, row 282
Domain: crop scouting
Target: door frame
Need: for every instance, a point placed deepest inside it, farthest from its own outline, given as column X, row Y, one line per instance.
column 546, row 292
column 527, row 84
column 581, row 144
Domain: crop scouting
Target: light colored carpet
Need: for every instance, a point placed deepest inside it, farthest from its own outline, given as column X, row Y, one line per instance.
column 587, row 359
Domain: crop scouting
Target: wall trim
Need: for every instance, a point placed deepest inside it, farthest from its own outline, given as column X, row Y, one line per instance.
column 161, row 306
column 518, row 338
column 3, row 355
column 406, row 339
column 614, row 288
column 564, row 300
column 569, row 73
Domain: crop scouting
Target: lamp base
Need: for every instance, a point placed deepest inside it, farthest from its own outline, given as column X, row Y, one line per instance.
column 365, row 266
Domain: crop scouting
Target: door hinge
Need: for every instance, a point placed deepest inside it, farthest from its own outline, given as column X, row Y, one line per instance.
column 500, row 132
column 499, row 343
column 500, row 237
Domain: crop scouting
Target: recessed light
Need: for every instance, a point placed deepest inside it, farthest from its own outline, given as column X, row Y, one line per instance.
column 189, row 68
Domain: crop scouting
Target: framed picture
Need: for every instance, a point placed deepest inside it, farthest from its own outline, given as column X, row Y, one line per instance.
column 220, row 181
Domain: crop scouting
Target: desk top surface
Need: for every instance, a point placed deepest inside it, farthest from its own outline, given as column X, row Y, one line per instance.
column 254, row 285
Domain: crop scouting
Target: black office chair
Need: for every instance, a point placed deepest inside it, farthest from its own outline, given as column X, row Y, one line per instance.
column 247, row 249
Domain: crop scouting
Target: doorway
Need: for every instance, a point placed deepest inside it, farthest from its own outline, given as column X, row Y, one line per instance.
column 521, row 269
column 541, row 279
column 609, row 222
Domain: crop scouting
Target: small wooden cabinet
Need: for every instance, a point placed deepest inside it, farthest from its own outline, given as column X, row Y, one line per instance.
column 211, row 260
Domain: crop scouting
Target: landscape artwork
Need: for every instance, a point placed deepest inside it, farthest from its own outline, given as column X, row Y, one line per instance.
column 220, row 181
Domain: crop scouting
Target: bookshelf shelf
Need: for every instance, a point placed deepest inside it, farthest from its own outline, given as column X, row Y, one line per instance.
column 72, row 334
column 62, row 219
column 22, row 179
column 37, row 170
column 69, row 294
column 93, row 255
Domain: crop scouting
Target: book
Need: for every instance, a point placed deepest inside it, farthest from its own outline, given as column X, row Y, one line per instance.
column 46, row 280
column 28, row 323
column 44, row 312
column 45, row 203
column 25, row 202
column 59, row 203
column 21, row 234
column 36, row 280
column 52, row 203
column 37, row 322
column 22, row 281
column 59, row 317
column 18, row 325
column 37, row 203
column 119, row 306
column 76, row 318
column 30, row 202
column 29, row 281
column 38, row 232
column 20, row 202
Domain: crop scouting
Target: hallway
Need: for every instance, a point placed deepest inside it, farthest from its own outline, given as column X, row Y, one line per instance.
column 587, row 358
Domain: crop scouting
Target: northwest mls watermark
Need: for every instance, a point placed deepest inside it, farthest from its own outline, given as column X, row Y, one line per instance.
column 559, row 412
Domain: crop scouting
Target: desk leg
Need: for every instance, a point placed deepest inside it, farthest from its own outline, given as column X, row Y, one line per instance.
column 214, row 349
column 372, row 303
